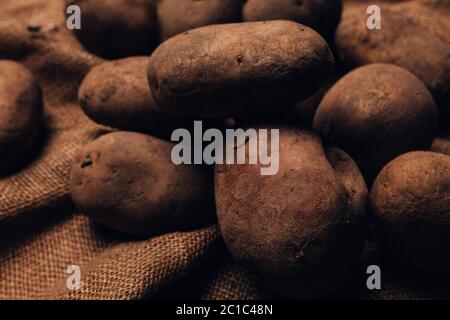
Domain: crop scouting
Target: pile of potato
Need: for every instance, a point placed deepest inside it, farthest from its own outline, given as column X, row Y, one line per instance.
column 358, row 112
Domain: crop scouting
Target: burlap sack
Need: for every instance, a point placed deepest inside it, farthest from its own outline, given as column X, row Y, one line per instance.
column 41, row 234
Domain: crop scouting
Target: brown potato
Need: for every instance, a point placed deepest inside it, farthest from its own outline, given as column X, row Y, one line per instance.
column 238, row 69
column 421, row 27
column 320, row 15
column 117, row 28
column 127, row 182
column 20, row 113
column 177, row 16
column 376, row 113
column 117, row 94
column 302, row 229
column 411, row 201
column 441, row 145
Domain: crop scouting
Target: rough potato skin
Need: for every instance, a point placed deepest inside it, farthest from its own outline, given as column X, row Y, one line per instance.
column 177, row 16
column 303, row 236
column 117, row 94
column 20, row 113
column 320, row 15
column 419, row 26
column 375, row 113
column 117, row 28
column 127, row 182
column 238, row 69
column 411, row 202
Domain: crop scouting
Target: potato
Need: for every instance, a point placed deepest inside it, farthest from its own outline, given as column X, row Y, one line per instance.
column 20, row 113
column 127, row 182
column 421, row 27
column 117, row 94
column 376, row 113
column 117, row 28
column 238, row 69
column 177, row 16
column 411, row 202
column 441, row 145
column 301, row 229
column 322, row 16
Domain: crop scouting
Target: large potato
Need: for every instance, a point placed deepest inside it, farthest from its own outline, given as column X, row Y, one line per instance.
column 117, row 94
column 302, row 229
column 376, row 113
column 321, row 15
column 20, row 113
column 239, row 69
column 127, row 181
column 177, row 16
column 421, row 27
column 411, row 201
column 117, row 28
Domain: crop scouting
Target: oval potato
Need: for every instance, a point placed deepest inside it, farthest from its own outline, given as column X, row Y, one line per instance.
column 411, row 203
column 238, row 69
column 375, row 113
column 301, row 229
column 21, row 117
column 127, row 182
column 117, row 28
column 117, row 94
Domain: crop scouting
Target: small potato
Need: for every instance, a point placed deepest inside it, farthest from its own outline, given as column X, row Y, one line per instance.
column 117, row 28
column 441, row 145
column 411, row 202
column 320, row 15
column 422, row 27
column 127, row 182
column 376, row 113
column 117, row 94
column 20, row 113
column 301, row 229
column 177, row 16
column 238, row 69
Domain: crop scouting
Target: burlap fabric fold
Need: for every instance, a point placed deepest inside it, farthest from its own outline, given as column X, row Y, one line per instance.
column 42, row 234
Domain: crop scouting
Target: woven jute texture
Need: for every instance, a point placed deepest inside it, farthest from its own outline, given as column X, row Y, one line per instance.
column 42, row 234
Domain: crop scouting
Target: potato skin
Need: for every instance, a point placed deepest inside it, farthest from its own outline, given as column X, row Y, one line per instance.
column 441, row 145
column 406, row 26
column 375, row 113
column 21, row 117
column 117, row 94
column 127, row 182
column 411, row 202
column 177, row 16
column 238, row 69
column 320, row 15
column 117, row 28
column 303, row 236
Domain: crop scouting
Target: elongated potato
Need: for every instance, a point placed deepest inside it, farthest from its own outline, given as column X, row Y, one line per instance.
column 411, row 202
column 301, row 229
column 419, row 26
column 20, row 113
column 127, row 182
column 238, row 69
column 117, row 94
column 177, row 16
column 376, row 113
column 320, row 15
